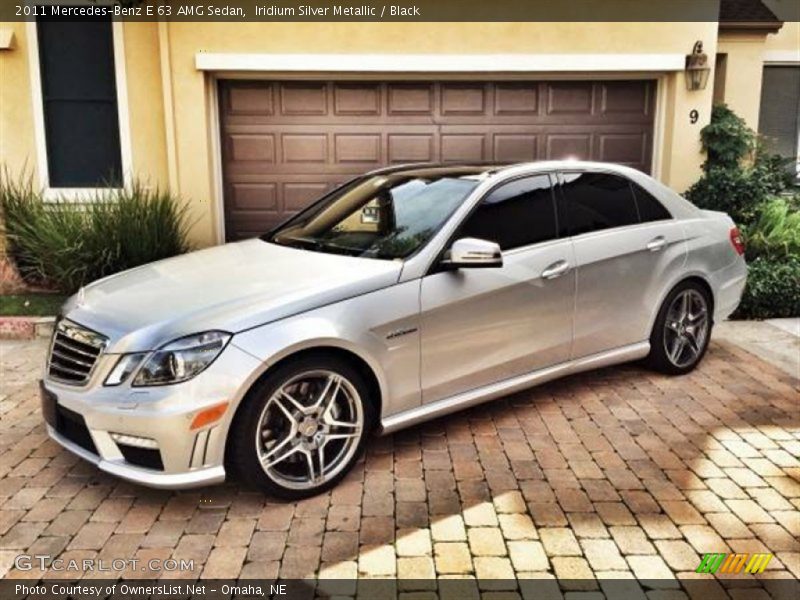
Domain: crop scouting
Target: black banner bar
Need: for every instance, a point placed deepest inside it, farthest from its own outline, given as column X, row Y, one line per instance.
column 385, row 589
column 372, row 11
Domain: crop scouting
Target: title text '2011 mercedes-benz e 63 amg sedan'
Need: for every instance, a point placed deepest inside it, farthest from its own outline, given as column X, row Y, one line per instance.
column 403, row 295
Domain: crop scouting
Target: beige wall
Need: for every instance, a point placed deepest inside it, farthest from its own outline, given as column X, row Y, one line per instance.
column 746, row 54
column 17, row 143
column 146, row 102
column 787, row 39
column 171, row 107
column 745, row 66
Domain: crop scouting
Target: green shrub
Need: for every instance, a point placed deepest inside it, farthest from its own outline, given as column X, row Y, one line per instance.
column 737, row 192
column 773, row 170
column 775, row 234
column 726, row 139
column 738, row 174
column 773, row 289
column 65, row 245
column 741, row 179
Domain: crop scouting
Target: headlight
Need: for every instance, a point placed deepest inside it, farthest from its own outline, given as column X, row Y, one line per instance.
column 126, row 365
column 182, row 359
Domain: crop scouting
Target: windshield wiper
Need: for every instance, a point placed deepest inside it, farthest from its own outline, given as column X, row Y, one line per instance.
column 320, row 245
column 296, row 242
column 339, row 249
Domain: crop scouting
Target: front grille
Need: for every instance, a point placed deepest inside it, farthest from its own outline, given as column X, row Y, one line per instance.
column 74, row 352
column 72, row 426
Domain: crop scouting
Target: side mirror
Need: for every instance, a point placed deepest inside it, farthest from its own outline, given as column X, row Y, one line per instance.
column 472, row 253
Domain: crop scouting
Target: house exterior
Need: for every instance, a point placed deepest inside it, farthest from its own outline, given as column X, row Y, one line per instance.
column 249, row 122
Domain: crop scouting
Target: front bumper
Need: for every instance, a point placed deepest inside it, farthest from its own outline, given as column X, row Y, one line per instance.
column 147, row 477
column 89, row 421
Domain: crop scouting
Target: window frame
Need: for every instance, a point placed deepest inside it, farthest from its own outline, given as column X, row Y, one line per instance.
column 562, row 200
column 76, row 194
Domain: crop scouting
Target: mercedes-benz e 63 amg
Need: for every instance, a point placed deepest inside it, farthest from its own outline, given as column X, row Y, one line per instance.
column 403, row 295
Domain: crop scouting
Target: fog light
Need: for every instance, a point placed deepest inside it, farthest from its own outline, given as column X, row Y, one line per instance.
column 132, row 440
column 209, row 415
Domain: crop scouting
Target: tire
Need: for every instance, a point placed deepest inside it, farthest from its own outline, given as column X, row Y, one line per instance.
column 679, row 339
column 302, row 428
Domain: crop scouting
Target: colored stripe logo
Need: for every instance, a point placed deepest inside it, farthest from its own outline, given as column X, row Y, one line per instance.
column 733, row 564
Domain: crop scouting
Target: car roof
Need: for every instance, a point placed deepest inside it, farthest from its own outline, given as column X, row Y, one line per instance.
column 440, row 169
column 495, row 168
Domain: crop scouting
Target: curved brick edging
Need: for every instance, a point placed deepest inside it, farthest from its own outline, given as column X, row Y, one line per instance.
column 25, row 328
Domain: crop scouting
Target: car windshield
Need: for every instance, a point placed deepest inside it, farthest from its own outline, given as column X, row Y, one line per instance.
column 382, row 216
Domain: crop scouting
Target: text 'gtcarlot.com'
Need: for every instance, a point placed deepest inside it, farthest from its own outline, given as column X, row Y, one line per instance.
column 26, row 562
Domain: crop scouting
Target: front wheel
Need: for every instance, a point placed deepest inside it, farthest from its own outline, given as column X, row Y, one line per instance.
column 303, row 427
column 682, row 330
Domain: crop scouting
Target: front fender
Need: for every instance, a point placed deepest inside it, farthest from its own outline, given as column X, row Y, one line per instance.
column 273, row 343
column 381, row 328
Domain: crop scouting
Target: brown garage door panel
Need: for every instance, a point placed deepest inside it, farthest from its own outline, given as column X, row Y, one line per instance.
column 286, row 143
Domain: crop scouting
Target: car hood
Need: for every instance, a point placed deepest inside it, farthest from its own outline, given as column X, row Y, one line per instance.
column 231, row 288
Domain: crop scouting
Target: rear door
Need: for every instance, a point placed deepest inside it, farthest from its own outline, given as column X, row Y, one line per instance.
column 627, row 246
column 480, row 326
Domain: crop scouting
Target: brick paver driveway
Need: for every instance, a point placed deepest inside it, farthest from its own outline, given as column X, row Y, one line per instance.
column 614, row 473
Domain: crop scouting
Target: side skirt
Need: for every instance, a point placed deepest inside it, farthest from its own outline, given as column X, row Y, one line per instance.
column 426, row 412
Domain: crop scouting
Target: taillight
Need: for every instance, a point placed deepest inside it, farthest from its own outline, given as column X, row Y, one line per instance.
column 736, row 241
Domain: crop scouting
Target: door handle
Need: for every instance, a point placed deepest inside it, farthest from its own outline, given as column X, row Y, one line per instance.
column 557, row 269
column 656, row 244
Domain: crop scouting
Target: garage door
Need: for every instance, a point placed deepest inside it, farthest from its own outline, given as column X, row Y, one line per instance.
column 286, row 143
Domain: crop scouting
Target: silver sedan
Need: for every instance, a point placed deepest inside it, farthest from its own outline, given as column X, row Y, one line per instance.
column 404, row 295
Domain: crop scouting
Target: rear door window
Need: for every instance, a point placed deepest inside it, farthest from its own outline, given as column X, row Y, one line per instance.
column 597, row 201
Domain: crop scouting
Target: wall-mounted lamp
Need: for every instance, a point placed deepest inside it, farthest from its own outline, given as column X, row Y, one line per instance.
column 697, row 68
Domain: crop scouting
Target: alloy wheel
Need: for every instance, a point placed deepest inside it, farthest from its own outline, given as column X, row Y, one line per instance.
column 686, row 328
column 309, row 429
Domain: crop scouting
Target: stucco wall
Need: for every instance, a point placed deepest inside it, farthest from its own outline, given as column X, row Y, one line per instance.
column 173, row 140
column 17, row 143
column 787, row 39
column 744, row 72
column 146, row 102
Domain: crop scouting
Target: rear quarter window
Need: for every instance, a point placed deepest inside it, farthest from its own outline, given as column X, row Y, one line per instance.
column 650, row 208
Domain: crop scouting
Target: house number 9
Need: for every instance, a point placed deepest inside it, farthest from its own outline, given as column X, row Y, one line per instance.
column 693, row 116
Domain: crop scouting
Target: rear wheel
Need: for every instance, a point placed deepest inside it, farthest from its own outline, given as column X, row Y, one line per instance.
column 303, row 428
column 682, row 330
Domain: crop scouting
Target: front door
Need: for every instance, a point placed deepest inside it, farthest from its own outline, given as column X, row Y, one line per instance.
column 480, row 326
